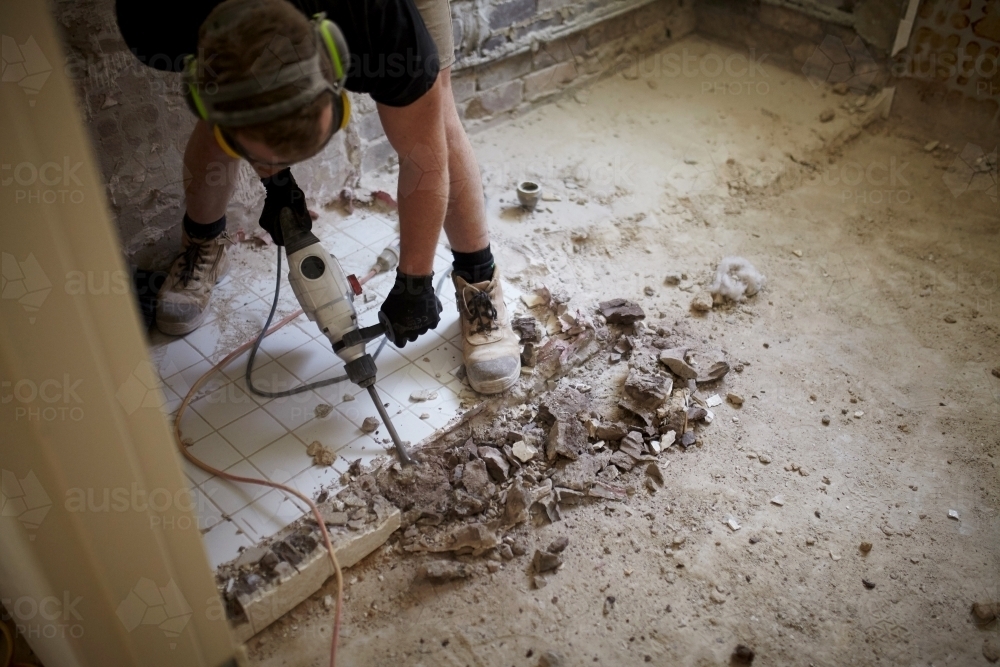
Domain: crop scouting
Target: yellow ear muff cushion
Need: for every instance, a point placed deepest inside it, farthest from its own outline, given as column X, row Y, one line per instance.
column 223, row 144
column 193, row 99
column 346, row 111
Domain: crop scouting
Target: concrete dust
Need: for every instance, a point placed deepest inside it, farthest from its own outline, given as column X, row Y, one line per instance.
column 863, row 414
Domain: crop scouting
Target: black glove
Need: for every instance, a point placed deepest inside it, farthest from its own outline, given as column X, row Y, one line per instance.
column 283, row 192
column 410, row 309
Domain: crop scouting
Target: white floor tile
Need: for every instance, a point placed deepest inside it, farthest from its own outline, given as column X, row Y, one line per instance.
column 237, row 367
column 196, row 474
column 314, row 479
column 206, row 512
column 421, row 346
column 224, row 405
column 371, row 231
column 405, row 381
column 206, row 338
column 440, row 361
column 339, row 244
column 178, row 355
column 361, row 407
column 193, row 427
column 441, row 410
column 223, row 542
column 363, row 448
column 358, row 262
column 449, row 327
column 267, row 515
column 333, row 431
column 216, row 452
column 253, row 431
column 231, row 496
column 182, row 382
column 273, row 377
column 288, row 337
column 294, row 411
column 411, row 428
column 389, row 360
column 282, row 459
column 309, row 360
column 262, row 286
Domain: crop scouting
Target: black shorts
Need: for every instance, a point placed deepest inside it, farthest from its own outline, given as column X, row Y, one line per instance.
column 393, row 57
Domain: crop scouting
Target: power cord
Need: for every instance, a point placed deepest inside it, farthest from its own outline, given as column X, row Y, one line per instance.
column 385, row 262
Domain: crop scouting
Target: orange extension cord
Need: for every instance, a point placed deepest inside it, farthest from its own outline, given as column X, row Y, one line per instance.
column 264, row 482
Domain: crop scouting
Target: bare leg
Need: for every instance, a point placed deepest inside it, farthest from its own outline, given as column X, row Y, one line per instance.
column 465, row 221
column 209, row 176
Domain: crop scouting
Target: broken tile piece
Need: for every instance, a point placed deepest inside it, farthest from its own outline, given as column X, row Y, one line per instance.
column 733, row 524
column 523, row 451
column 621, row 311
column 953, row 514
column 423, row 395
column 713, row 401
column 778, row 500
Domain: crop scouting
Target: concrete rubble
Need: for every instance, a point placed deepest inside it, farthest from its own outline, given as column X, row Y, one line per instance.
column 524, row 464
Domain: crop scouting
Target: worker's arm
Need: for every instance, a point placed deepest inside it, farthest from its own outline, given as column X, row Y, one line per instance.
column 417, row 134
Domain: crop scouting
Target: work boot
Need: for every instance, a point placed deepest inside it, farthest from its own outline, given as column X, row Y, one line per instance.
column 490, row 347
column 183, row 300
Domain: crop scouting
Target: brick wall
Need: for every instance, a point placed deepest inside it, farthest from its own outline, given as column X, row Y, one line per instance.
column 947, row 79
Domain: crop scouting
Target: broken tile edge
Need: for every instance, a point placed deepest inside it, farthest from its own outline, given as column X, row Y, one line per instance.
column 266, row 606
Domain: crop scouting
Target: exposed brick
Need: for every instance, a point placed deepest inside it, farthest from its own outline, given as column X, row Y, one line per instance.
column 790, row 21
column 507, row 69
column 549, row 80
column 511, row 12
column 496, row 100
column 609, row 30
column 369, row 126
column 549, row 5
column 494, row 42
column 561, row 50
column 462, row 88
column 376, row 155
column 538, row 26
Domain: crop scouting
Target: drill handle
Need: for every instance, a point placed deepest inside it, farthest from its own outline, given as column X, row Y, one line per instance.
column 360, row 336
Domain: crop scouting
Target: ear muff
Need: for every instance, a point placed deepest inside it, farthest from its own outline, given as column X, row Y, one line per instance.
column 336, row 47
column 191, row 96
column 346, row 111
column 220, row 138
column 333, row 42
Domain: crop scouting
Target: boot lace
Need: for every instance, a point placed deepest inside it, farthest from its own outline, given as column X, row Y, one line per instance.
column 195, row 256
column 482, row 312
column 191, row 258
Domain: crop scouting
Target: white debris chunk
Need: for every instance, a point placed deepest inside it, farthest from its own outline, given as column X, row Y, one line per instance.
column 778, row 500
column 953, row 514
column 523, row 451
column 733, row 524
column 713, row 400
column 736, row 279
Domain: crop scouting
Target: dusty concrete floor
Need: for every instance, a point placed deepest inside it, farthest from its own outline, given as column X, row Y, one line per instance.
column 888, row 260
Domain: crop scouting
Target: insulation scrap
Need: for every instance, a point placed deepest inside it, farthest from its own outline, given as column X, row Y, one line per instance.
column 736, row 279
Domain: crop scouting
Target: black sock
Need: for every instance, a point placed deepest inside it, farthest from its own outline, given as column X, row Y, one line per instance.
column 474, row 267
column 196, row 230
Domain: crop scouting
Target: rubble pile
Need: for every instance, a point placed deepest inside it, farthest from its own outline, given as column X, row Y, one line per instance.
column 527, row 463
